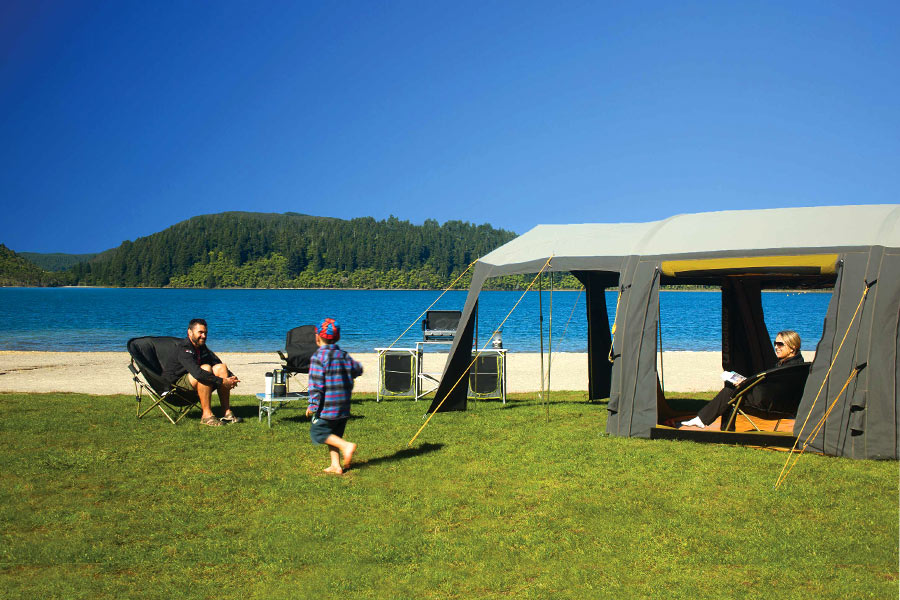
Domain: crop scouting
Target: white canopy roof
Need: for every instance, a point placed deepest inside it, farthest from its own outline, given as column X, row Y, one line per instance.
column 826, row 228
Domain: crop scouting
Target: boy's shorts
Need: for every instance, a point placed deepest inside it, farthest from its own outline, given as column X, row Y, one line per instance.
column 320, row 429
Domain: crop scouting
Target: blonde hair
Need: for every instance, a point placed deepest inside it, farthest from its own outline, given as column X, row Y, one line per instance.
column 791, row 338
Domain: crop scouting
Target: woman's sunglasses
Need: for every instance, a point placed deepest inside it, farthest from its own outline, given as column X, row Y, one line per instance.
column 779, row 344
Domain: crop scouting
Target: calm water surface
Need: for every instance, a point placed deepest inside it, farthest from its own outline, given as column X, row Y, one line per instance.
column 92, row 319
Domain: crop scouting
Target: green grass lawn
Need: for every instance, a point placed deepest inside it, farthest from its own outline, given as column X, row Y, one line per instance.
column 496, row 502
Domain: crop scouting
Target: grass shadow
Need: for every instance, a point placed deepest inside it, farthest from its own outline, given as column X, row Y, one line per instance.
column 302, row 418
column 244, row 412
column 399, row 455
column 533, row 403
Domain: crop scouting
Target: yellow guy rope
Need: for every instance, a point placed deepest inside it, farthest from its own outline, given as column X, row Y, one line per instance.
column 466, row 371
column 783, row 474
column 815, row 430
column 416, row 320
column 571, row 314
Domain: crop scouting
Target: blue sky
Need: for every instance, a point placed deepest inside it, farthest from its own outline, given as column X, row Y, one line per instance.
column 119, row 119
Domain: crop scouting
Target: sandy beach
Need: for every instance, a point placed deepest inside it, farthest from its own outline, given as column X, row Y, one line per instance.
column 107, row 372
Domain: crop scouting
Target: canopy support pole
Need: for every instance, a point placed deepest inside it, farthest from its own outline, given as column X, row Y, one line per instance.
column 541, row 326
column 550, row 347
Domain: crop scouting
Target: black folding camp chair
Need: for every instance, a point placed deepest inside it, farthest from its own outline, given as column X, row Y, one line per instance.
column 147, row 374
column 774, row 394
column 299, row 346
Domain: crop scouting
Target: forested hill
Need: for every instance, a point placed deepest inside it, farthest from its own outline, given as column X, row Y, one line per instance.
column 242, row 249
column 16, row 271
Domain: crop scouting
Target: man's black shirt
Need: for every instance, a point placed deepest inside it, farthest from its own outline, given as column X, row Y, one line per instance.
column 187, row 359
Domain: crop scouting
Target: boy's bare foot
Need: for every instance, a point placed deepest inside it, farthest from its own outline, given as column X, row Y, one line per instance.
column 348, row 456
column 333, row 470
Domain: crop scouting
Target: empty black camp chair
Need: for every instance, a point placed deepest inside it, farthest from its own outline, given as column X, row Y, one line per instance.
column 775, row 394
column 299, row 345
column 440, row 325
column 147, row 374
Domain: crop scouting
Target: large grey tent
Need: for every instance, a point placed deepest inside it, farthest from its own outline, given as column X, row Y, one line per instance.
column 853, row 249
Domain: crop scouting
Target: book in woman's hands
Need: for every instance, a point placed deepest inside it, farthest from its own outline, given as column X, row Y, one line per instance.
column 732, row 377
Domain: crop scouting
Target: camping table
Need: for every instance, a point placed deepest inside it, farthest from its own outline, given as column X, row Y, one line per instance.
column 269, row 404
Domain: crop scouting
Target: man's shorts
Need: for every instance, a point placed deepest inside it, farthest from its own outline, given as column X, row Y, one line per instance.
column 320, row 429
column 184, row 382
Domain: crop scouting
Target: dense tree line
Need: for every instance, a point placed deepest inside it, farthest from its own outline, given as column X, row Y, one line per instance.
column 238, row 249
column 273, row 272
column 55, row 261
column 257, row 250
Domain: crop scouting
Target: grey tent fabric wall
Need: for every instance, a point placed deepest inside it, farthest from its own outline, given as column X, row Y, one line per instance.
column 863, row 422
column 613, row 423
column 460, row 355
column 873, row 405
column 847, row 289
column 599, row 338
column 632, row 404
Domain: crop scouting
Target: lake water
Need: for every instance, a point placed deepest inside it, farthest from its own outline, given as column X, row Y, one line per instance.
column 92, row 319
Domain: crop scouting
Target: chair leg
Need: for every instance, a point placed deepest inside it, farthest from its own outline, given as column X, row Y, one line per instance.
column 749, row 420
column 734, row 411
column 184, row 412
column 138, row 393
column 149, row 408
column 163, row 411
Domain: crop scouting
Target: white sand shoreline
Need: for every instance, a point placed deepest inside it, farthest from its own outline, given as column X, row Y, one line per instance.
column 107, row 372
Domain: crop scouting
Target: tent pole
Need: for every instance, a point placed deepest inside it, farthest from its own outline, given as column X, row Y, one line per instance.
column 541, row 324
column 475, row 395
column 662, row 371
column 550, row 346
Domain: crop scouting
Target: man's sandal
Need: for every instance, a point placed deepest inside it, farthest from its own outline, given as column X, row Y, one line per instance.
column 211, row 421
column 231, row 418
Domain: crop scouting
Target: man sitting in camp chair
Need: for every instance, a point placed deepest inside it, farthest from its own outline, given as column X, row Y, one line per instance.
column 196, row 367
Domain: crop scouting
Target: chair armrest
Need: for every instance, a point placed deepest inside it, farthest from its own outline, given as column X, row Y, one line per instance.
column 281, row 355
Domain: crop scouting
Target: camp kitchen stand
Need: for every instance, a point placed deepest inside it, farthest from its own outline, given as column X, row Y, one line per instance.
column 485, row 380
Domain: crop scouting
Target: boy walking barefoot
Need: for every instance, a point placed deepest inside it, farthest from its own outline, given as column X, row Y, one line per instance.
column 331, row 375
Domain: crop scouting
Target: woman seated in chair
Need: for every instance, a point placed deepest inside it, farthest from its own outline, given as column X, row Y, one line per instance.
column 787, row 351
